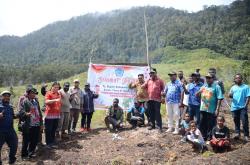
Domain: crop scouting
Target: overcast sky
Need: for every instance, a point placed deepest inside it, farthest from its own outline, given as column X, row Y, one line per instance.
column 20, row 17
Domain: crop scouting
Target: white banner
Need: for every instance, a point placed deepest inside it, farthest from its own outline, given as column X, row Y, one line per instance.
column 111, row 81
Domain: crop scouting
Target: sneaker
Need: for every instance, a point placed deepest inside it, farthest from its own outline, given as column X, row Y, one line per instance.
column 82, row 129
column 111, row 126
column 246, row 138
column 169, row 130
column 176, row 132
column 184, row 140
column 151, row 128
column 236, row 136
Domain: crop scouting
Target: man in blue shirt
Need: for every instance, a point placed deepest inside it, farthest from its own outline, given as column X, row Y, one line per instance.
column 135, row 115
column 194, row 101
column 211, row 97
column 173, row 92
column 7, row 132
column 240, row 94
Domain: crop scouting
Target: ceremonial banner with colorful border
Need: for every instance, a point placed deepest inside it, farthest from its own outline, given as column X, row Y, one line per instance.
column 111, row 81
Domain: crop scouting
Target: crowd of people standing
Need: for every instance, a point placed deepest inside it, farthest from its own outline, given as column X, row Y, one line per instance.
column 192, row 104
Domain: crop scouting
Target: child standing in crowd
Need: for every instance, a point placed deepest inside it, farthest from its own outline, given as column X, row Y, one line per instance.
column 220, row 135
column 240, row 94
column 195, row 137
column 185, row 127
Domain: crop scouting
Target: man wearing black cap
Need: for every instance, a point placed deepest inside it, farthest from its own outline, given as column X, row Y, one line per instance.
column 155, row 86
column 173, row 92
column 194, row 101
column 65, row 110
column 211, row 97
column 87, row 107
column 31, row 117
column 7, row 132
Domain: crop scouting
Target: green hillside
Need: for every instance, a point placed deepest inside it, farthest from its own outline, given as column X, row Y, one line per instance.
column 63, row 48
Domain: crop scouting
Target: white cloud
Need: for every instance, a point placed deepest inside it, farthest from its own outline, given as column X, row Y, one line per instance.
column 19, row 17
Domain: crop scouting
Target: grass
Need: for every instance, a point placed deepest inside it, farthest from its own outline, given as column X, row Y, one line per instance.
column 172, row 60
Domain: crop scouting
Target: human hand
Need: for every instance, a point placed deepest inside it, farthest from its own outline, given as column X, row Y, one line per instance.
column 28, row 114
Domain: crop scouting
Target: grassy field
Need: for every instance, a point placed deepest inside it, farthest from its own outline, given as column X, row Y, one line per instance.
column 172, row 60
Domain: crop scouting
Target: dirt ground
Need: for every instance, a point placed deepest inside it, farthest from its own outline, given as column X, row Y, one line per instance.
column 138, row 146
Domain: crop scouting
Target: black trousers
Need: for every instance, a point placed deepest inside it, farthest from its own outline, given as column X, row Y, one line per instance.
column 50, row 130
column 207, row 123
column 10, row 138
column 30, row 140
column 241, row 115
column 154, row 108
column 86, row 119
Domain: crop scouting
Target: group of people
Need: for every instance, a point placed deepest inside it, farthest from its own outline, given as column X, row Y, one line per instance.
column 192, row 104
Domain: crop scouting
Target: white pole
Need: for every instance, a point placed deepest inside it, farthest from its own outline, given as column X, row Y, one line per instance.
column 145, row 22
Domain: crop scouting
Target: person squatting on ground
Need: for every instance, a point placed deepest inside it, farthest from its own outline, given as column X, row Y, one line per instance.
column 173, row 92
column 194, row 136
column 65, row 110
column 155, row 87
column 114, row 117
column 135, row 115
column 141, row 94
column 52, row 114
column 211, row 97
column 7, row 131
column 240, row 95
column 220, row 136
column 185, row 127
column 87, row 107
column 31, row 123
column 75, row 94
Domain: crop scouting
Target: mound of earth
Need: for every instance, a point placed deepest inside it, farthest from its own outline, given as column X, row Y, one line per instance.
column 138, row 146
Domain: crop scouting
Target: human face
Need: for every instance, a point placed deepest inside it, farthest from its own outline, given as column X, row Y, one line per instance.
column 212, row 72
column 193, row 127
column 66, row 89
column 115, row 103
column 55, row 88
column 238, row 79
column 152, row 75
column 209, row 80
column 32, row 95
column 77, row 84
column 173, row 77
column 187, row 117
column 195, row 78
column 220, row 122
column 6, row 98
column 190, row 79
column 180, row 75
column 141, row 79
column 86, row 87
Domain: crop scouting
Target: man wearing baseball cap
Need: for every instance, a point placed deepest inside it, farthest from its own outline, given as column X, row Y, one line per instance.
column 211, row 97
column 7, row 132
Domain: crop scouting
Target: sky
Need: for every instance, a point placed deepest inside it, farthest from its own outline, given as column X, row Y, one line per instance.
column 20, row 17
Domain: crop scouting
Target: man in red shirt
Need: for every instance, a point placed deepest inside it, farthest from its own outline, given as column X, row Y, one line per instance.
column 155, row 87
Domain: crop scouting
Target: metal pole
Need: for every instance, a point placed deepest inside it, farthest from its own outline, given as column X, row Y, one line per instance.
column 146, row 33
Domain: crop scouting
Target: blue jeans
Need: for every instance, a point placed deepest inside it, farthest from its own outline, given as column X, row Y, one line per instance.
column 194, row 113
column 242, row 115
column 10, row 138
column 50, row 130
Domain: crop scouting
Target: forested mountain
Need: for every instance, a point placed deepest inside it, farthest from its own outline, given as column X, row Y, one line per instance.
column 118, row 36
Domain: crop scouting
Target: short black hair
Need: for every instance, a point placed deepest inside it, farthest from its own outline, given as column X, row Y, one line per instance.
column 213, row 69
column 141, row 75
column 239, row 74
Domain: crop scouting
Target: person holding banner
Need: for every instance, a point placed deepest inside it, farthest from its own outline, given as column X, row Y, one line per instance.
column 87, row 107
column 155, row 87
column 114, row 117
column 141, row 94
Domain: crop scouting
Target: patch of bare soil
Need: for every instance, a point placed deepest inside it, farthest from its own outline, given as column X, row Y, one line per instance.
column 138, row 146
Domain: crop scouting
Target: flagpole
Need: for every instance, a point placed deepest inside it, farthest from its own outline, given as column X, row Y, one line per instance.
column 146, row 33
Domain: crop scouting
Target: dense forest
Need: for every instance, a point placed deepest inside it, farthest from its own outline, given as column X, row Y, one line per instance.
column 118, row 36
